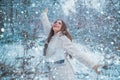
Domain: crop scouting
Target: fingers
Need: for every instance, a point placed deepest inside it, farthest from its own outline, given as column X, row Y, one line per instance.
column 46, row 10
column 96, row 68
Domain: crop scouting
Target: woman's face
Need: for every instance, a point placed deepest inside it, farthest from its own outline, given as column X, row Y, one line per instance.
column 57, row 26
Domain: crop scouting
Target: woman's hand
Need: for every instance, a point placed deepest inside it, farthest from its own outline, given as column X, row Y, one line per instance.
column 46, row 10
column 96, row 68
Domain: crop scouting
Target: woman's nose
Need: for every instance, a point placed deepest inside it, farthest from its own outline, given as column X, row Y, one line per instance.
column 56, row 23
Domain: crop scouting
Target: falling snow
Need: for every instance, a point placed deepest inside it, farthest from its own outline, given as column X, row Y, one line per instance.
column 94, row 25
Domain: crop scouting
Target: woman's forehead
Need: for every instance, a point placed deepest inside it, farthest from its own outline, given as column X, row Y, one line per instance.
column 58, row 21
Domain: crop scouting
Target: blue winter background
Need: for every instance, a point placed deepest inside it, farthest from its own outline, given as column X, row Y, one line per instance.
column 94, row 25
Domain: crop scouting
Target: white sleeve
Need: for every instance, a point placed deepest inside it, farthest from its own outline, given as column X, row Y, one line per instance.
column 81, row 56
column 45, row 23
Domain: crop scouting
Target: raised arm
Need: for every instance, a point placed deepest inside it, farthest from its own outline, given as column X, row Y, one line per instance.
column 83, row 57
column 45, row 22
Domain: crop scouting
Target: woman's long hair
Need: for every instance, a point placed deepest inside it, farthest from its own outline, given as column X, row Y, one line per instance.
column 64, row 31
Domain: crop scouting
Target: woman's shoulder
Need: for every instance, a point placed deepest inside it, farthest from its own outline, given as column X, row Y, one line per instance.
column 64, row 38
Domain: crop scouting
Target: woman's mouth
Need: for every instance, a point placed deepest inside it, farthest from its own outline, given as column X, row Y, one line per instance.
column 55, row 26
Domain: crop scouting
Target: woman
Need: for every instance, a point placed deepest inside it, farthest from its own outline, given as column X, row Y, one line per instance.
column 59, row 48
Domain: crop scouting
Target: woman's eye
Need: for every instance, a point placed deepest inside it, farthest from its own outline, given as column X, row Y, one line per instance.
column 59, row 23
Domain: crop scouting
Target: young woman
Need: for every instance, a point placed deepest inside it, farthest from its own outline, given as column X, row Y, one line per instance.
column 59, row 47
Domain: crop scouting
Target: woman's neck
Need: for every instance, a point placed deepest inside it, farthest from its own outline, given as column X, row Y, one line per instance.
column 57, row 32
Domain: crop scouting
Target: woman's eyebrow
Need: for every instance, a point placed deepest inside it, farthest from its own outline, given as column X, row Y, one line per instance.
column 60, row 22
